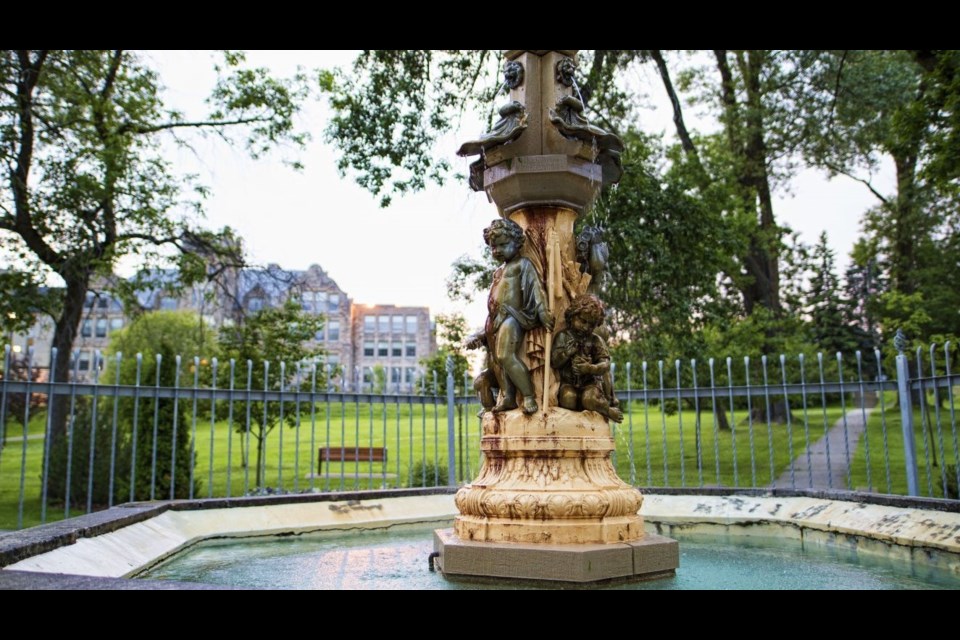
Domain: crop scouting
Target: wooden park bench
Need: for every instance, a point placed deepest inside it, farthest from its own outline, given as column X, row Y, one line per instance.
column 350, row 453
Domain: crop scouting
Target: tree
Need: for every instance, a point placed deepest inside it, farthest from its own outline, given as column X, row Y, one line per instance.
column 166, row 334
column 828, row 312
column 898, row 105
column 86, row 183
column 282, row 335
column 452, row 335
column 734, row 172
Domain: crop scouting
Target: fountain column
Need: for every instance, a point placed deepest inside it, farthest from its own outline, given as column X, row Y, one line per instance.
column 547, row 502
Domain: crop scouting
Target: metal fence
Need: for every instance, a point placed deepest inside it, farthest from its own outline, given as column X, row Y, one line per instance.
column 821, row 422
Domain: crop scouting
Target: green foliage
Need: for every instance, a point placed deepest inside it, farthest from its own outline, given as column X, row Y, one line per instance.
column 666, row 249
column 451, row 334
column 86, row 182
column 428, row 473
column 108, row 448
column 379, row 379
column 393, row 105
column 275, row 344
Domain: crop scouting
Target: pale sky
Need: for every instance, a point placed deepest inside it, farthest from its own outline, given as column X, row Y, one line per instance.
column 400, row 255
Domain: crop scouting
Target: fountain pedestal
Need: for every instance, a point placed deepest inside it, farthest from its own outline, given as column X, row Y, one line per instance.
column 547, row 503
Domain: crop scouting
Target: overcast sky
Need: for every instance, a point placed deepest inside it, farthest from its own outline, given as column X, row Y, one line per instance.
column 401, row 255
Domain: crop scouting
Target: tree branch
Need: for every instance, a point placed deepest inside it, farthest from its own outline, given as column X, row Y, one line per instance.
column 866, row 183
column 685, row 140
column 131, row 127
column 836, row 90
column 26, row 84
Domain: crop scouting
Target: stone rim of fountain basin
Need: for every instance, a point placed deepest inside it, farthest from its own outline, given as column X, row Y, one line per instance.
column 924, row 531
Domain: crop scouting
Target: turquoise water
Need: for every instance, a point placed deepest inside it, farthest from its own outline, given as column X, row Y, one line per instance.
column 397, row 559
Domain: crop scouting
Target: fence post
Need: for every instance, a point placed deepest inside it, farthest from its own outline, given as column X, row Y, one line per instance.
column 451, row 426
column 906, row 414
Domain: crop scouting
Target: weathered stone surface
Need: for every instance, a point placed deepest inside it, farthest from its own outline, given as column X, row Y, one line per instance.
column 655, row 556
column 548, row 479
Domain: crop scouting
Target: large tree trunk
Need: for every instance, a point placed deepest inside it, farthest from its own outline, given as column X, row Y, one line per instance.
column 64, row 333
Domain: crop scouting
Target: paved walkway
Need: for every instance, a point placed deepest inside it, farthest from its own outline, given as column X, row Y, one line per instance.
column 828, row 465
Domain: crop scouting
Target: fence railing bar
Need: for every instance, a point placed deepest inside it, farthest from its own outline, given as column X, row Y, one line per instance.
column 953, row 419
column 113, row 431
column 683, row 470
column 863, row 418
column 213, row 423
column 173, row 446
column 246, row 430
column 786, row 406
column 193, row 425
column 846, row 434
column 883, row 424
column 663, row 421
column 766, row 400
column 281, row 425
column 24, row 443
column 3, row 395
column 826, row 421
column 806, row 421
column 924, row 420
column 936, row 411
column 716, row 429
column 93, row 429
column 633, row 464
column 156, row 416
column 753, row 458
column 262, row 438
column 733, row 422
column 646, row 424
column 230, row 399
column 47, row 440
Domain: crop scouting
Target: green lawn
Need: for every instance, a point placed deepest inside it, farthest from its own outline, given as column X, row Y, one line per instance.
column 664, row 455
column 936, row 450
column 664, row 449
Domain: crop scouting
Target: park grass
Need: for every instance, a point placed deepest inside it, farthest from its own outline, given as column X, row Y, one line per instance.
column 664, row 448
column 667, row 453
column 884, row 470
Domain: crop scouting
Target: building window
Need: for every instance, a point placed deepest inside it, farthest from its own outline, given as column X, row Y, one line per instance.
column 409, row 375
column 101, row 330
column 412, row 325
column 396, row 349
column 333, row 330
column 369, row 348
column 383, row 349
column 86, row 329
column 395, row 375
column 168, row 303
column 397, row 322
column 333, row 359
column 102, row 302
column 411, row 351
column 333, row 302
column 318, row 336
column 116, row 323
column 255, row 304
column 368, row 375
column 83, row 363
column 383, row 324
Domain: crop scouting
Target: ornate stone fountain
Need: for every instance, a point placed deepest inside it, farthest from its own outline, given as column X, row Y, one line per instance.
column 547, row 503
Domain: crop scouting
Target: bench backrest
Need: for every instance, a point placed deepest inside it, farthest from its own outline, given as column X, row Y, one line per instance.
column 353, row 454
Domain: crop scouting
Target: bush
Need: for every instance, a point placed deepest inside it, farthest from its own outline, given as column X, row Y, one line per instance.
column 428, row 474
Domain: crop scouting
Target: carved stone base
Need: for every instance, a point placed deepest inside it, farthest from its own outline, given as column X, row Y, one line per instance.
column 547, row 478
column 651, row 557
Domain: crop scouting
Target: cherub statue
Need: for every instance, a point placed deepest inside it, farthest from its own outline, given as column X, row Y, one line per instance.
column 582, row 359
column 592, row 254
column 516, row 304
